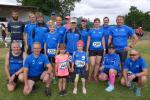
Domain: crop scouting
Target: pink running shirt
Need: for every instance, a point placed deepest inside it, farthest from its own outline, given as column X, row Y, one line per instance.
column 63, row 64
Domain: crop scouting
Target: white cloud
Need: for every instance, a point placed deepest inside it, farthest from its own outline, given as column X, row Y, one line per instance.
column 111, row 8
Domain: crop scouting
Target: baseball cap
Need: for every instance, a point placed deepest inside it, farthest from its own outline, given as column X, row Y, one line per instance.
column 67, row 17
column 80, row 43
column 73, row 20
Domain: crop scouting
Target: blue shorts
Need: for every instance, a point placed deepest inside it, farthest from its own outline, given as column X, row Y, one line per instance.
column 81, row 71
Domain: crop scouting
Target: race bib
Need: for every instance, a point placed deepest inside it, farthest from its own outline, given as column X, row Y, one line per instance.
column 51, row 51
column 79, row 63
column 96, row 44
column 63, row 65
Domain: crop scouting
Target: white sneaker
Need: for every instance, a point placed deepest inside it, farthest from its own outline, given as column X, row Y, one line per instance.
column 84, row 90
column 110, row 88
column 75, row 91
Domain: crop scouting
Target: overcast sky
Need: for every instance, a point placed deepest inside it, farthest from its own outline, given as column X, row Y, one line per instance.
column 101, row 8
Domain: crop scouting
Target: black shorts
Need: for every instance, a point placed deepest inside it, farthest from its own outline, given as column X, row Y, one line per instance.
column 106, row 71
column 34, row 78
column 122, row 54
column 96, row 52
column 60, row 77
column 51, row 59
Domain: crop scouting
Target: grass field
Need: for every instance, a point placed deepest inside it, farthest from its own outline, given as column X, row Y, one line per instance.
column 95, row 92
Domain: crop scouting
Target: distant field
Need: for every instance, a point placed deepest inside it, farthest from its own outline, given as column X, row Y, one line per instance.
column 95, row 92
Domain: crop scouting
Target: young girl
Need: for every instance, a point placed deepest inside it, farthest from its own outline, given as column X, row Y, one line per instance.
column 80, row 64
column 62, row 68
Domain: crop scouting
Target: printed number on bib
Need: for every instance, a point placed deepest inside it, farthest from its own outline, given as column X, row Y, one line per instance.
column 51, row 51
column 79, row 63
column 63, row 65
column 96, row 44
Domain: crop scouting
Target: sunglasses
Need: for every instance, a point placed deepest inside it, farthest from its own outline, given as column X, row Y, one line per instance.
column 132, row 55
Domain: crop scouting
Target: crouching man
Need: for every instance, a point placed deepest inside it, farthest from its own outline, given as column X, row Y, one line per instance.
column 34, row 70
column 134, row 72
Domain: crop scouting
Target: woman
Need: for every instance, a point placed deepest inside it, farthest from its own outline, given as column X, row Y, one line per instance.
column 95, row 48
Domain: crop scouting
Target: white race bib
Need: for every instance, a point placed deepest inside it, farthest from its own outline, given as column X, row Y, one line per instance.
column 96, row 44
column 63, row 65
column 51, row 51
column 79, row 63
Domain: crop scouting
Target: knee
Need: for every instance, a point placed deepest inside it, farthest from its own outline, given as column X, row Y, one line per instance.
column 10, row 87
column 103, row 77
column 20, row 77
column 46, row 78
column 143, row 80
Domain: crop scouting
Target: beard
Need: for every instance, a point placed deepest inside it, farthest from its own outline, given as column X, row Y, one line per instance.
column 15, row 18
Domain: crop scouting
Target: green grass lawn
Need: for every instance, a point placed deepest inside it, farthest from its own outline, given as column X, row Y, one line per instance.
column 94, row 92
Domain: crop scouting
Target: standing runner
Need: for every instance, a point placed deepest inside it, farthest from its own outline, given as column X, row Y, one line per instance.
column 52, row 40
column 67, row 24
column 28, row 33
column 62, row 69
column 16, row 29
column 39, row 31
column 60, row 29
column 84, row 31
column 80, row 66
column 106, row 29
column 70, row 39
column 119, row 36
column 95, row 48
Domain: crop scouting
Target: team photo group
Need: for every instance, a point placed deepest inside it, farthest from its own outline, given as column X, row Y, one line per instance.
column 56, row 53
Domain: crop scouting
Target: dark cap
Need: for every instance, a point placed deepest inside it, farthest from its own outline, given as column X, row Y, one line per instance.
column 53, row 13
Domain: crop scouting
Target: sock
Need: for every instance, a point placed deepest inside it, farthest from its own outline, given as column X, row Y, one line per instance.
column 112, row 79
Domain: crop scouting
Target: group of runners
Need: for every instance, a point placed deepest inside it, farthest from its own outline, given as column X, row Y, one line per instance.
column 52, row 52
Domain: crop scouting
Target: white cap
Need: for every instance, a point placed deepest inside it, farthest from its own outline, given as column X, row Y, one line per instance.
column 73, row 19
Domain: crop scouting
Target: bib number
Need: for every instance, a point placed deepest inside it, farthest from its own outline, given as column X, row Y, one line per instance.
column 79, row 63
column 96, row 44
column 63, row 65
column 51, row 51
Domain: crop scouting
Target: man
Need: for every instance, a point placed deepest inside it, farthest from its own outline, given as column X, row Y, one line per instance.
column 119, row 36
column 106, row 27
column 34, row 70
column 39, row 31
column 135, row 71
column 16, row 29
column 14, row 66
column 60, row 29
column 28, row 33
column 52, row 18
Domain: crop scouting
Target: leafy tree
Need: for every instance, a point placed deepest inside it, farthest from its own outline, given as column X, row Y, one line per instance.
column 61, row 7
column 136, row 18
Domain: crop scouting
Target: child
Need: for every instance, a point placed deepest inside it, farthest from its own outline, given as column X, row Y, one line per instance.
column 110, row 68
column 62, row 68
column 51, row 45
column 80, row 65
